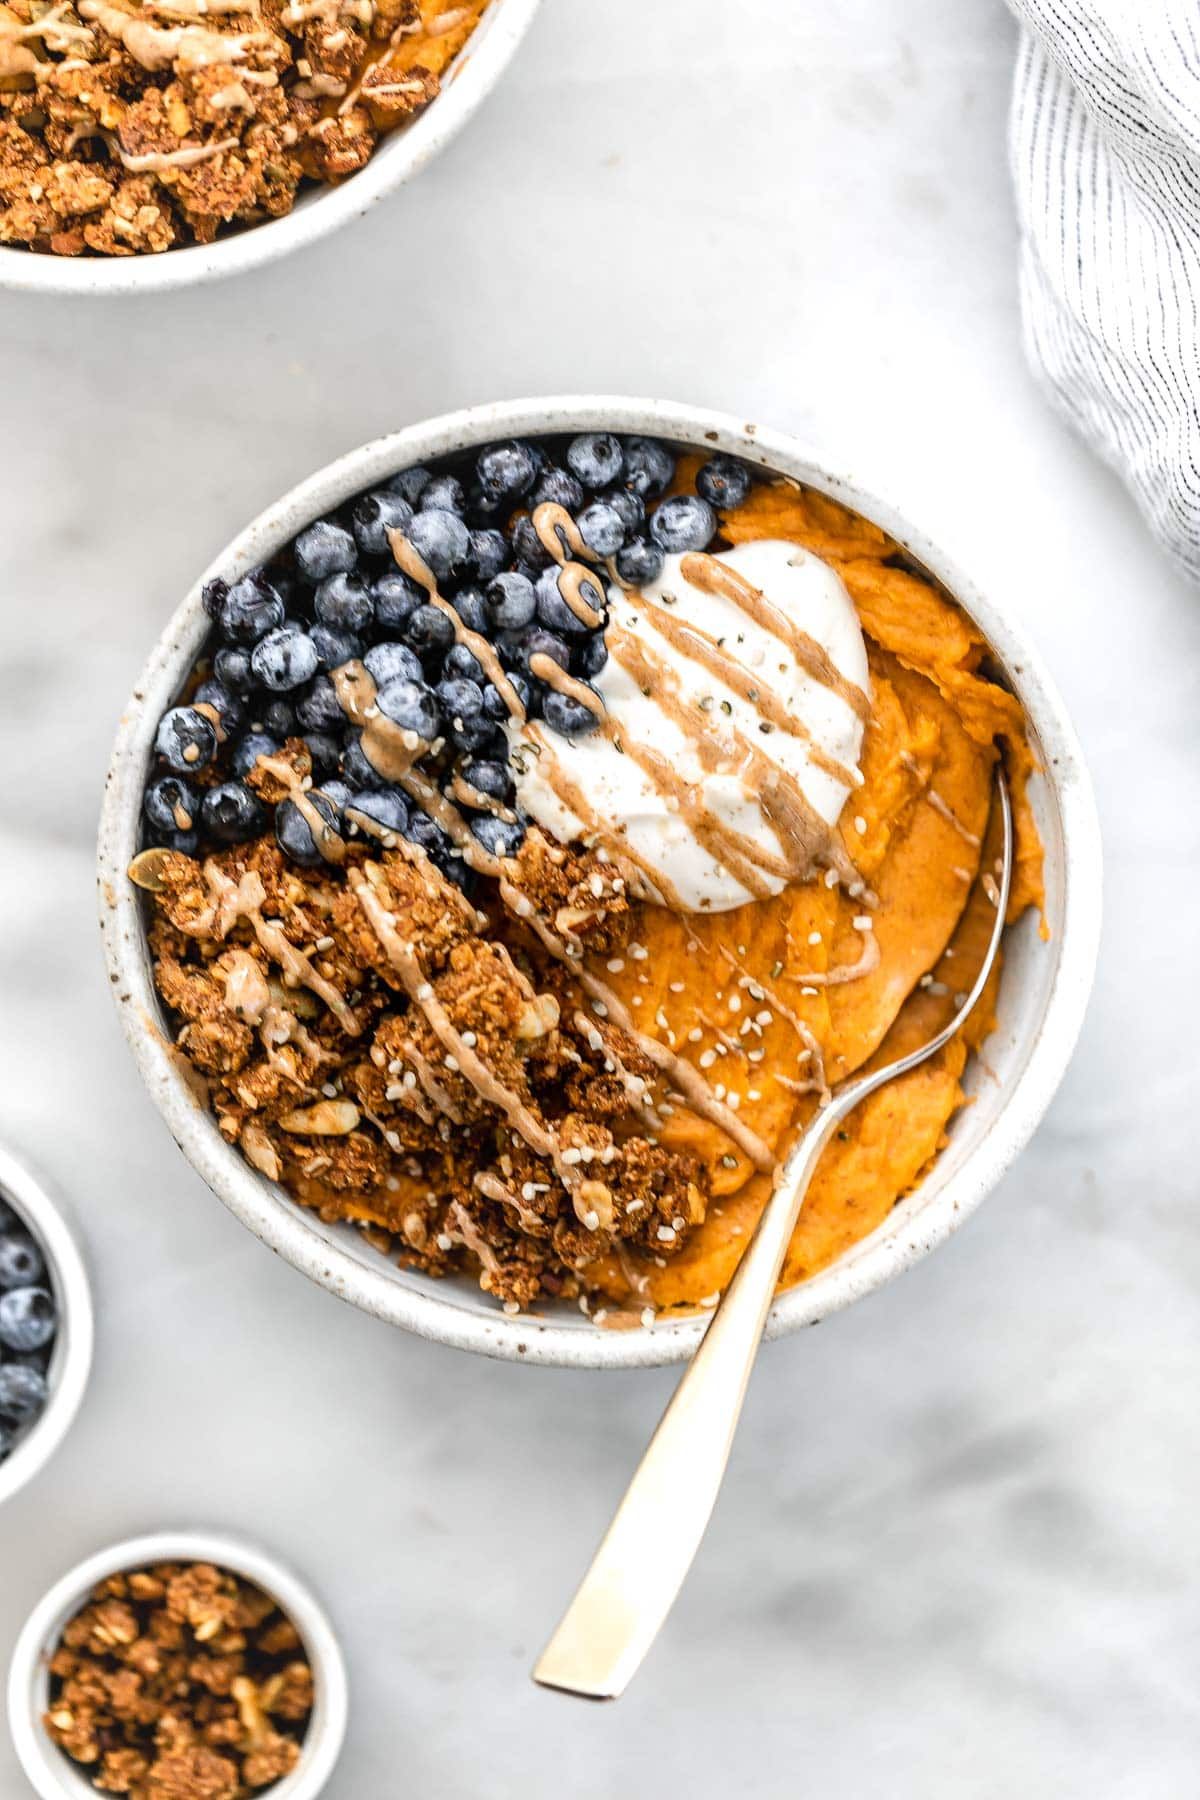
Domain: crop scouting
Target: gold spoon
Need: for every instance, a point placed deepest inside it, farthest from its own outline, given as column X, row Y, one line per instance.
column 643, row 1561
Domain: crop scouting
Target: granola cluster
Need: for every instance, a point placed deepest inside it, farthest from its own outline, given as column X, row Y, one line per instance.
column 397, row 1057
column 130, row 126
column 180, row 1682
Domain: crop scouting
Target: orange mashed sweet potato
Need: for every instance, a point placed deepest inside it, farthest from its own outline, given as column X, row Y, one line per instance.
column 747, row 989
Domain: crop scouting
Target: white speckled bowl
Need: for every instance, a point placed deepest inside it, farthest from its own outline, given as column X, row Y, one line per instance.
column 54, row 1776
column 43, row 1212
column 1042, row 1001
column 478, row 67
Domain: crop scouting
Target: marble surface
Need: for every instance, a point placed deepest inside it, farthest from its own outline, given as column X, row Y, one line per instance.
column 955, row 1552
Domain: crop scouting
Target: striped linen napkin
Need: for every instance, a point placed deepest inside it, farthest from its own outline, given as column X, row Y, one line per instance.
column 1105, row 149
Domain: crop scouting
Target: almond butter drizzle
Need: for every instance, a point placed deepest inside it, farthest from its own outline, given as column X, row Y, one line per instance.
column 492, row 1188
column 559, row 534
column 715, row 577
column 699, row 647
column 243, row 899
column 479, row 801
column 804, row 1032
column 403, row 959
column 869, row 959
column 412, row 563
column 390, row 749
column 328, row 840
column 158, row 46
column 945, row 812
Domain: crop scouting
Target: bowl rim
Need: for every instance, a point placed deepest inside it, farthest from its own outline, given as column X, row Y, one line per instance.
column 476, row 70
column 48, row 1768
column 278, row 1221
column 45, row 1213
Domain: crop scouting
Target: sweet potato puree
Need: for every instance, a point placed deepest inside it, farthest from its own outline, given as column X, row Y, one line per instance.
column 766, row 996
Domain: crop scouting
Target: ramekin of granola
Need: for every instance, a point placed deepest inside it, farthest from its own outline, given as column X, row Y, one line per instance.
column 530, row 820
column 154, row 143
column 175, row 1665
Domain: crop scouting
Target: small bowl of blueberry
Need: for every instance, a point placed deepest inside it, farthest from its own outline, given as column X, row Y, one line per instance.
column 45, row 1324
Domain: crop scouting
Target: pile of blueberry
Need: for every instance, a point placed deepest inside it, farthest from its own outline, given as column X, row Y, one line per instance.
column 335, row 594
column 28, row 1322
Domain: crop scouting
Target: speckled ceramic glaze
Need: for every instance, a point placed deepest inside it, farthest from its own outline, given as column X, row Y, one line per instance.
column 320, row 210
column 1043, row 994
column 54, row 1777
column 44, row 1212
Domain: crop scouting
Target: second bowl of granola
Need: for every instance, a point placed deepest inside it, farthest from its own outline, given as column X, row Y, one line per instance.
column 526, row 823
column 148, row 144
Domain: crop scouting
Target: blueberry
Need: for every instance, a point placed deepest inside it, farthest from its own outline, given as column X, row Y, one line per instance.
column 539, row 642
column 596, row 458
column 639, row 563
column 442, row 542
column 410, row 484
column 468, row 604
column 506, row 471
column 325, row 751
column 279, row 718
column 285, row 659
column 591, row 655
column 558, row 487
column 20, row 1261
column 490, row 778
column 229, row 711
column 185, row 740
column 628, row 507
column 489, row 553
column 649, row 466
column 28, row 1318
column 496, row 706
column 459, row 698
column 724, row 482
column 511, row 601
column 461, row 665
column 429, row 629
column 396, row 599
column 8, row 1437
column 683, row 523
column 253, row 606
column 566, row 715
column 335, row 647
column 552, row 609
column 170, row 804
column 410, row 705
column 293, row 833
column 24, row 1391
column 388, row 808
column 528, row 547
column 462, row 709
column 377, row 514
column 456, row 869
column 338, row 793
column 231, row 813
column 358, row 771
column 317, row 708
column 344, row 601
column 185, row 842
column 249, row 748
column 427, row 834
column 385, row 662
column 231, row 666
column 325, row 549
column 602, row 528
column 444, row 493
column 497, row 836
column 212, row 597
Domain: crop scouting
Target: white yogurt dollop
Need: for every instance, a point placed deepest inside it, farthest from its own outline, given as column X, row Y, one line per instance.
column 626, row 799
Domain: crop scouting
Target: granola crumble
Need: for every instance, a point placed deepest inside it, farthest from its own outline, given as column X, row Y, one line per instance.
column 180, row 1682
column 131, row 126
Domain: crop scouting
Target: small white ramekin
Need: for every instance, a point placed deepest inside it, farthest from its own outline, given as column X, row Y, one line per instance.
column 43, row 1212
column 1043, row 994
column 54, row 1776
column 400, row 156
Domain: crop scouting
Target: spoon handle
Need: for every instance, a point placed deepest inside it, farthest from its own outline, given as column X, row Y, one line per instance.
column 648, row 1549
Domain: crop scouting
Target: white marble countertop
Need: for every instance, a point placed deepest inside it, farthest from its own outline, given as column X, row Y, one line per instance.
column 954, row 1554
